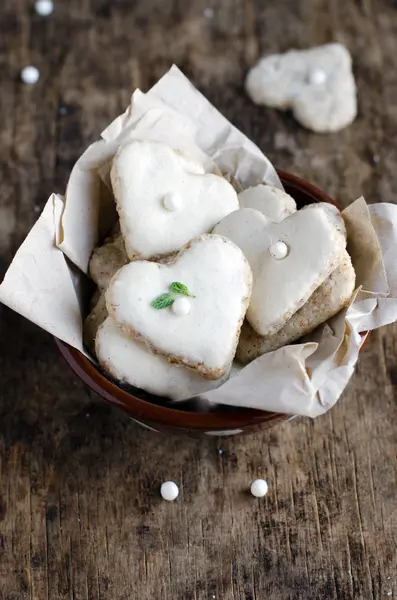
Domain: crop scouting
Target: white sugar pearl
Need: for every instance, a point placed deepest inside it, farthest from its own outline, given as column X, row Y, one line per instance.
column 278, row 250
column 259, row 488
column 317, row 77
column 169, row 491
column 44, row 7
column 172, row 201
column 30, row 75
column 181, row 306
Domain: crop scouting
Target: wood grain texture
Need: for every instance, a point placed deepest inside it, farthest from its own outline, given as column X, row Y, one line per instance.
column 80, row 513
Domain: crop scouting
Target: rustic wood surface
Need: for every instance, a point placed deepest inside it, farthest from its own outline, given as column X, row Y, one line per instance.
column 80, row 513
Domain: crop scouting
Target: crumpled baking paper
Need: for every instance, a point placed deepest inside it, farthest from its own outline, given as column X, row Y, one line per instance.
column 301, row 379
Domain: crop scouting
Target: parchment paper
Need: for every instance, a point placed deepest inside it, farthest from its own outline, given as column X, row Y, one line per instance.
column 301, row 379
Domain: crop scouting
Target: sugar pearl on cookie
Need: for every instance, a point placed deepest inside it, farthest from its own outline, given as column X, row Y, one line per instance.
column 259, row 488
column 172, row 201
column 181, row 307
column 30, row 75
column 169, row 491
column 44, row 7
column 317, row 77
column 278, row 250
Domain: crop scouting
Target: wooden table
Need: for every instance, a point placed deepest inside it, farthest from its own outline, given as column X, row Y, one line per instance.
column 80, row 513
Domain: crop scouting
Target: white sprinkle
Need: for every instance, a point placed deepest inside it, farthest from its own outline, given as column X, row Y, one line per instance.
column 172, row 201
column 44, row 7
column 208, row 12
column 278, row 250
column 181, row 306
column 317, row 77
column 169, row 491
column 259, row 488
column 30, row 75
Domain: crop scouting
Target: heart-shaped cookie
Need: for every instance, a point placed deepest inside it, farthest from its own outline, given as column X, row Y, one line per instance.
column 327, row 300
column 317, row 84
column 129, row 361
column 289, row 260
column 190, row 310
column 165, row 198
column 270, row 201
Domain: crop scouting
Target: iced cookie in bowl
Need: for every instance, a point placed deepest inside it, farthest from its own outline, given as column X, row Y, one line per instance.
column 289, row 260
column 165, row 198
column 326, row 301
column 273, row 202
column 190, row 310
column 129, row 361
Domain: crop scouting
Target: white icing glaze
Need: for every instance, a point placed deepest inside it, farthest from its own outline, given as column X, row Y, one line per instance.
column 317, row 77
column 216, row 272
column 333, row 214
column 281, row 287
column 284, row 81
column 181, row 306
column 172, row 201
column 130, row 362
column 278, row 250
column 270, row 201
column 143, row 172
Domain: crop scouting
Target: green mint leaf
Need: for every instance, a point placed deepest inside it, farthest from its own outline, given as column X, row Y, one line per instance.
column 179, row 288
column 163, row 301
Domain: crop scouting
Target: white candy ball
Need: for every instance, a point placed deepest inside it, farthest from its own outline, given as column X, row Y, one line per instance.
column 30, row 75
column 169, row 491
column 259, row 488
column 172, row 201
column 181, row 306
column 278, row 250
column 44, row 7
column 317, row 77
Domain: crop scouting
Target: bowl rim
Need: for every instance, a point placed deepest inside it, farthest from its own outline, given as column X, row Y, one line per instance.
column 172, row 416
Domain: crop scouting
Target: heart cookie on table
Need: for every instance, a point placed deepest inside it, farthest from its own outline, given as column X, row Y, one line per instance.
column 129, row 361
column 270, row 201
column 190, row 310
column 325, row 302
column 289, row 260
column 317, row 84
column 165, row 198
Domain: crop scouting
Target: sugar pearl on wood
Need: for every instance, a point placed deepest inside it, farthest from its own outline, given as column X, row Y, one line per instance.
column 317, row 77
column 169, row 491
column 44, row 7
column 30, row 75
column 278, row 250
column 259, row 488
column 181, row 307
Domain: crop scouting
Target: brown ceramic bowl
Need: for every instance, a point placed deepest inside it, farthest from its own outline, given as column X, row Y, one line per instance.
column 159, row 417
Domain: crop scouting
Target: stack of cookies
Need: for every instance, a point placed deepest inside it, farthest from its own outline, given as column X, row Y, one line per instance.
column 195, row 276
